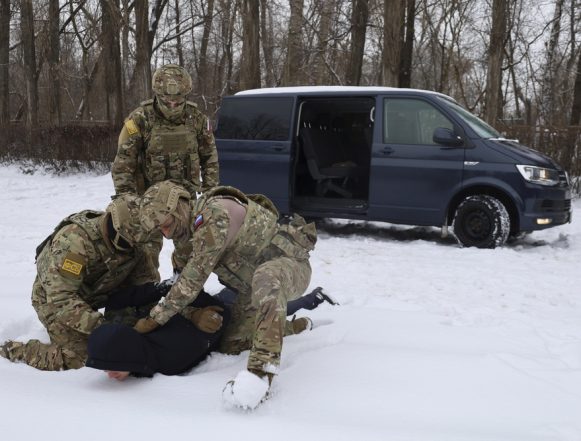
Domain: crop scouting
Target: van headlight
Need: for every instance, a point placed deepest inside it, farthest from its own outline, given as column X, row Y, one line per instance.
column 539, row 175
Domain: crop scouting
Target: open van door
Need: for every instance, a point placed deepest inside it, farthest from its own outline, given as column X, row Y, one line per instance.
column 413, row 177
column 253, row 137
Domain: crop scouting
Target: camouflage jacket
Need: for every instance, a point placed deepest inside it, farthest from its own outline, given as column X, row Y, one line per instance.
column 152, row 149
column 260, row 238
column 77, row 268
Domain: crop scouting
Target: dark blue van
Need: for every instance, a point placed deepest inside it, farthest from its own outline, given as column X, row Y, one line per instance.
column 397, row 155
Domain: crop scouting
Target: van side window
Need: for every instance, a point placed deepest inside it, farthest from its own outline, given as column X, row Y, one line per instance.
column 411, row 121
column 255, row 118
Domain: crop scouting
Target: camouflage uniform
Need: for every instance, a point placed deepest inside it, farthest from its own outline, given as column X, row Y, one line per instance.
column 77, row 268
column 155, row 145
column 266, row 262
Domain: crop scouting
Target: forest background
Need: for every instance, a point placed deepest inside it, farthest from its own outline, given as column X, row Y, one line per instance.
column 71, row 71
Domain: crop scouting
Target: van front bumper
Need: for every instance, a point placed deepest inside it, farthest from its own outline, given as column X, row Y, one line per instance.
column 546, row 208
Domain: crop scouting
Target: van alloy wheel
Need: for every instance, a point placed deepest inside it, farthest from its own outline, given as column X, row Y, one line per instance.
column 481, row 221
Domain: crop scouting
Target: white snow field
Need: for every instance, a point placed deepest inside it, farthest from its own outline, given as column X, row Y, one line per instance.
column 431, row 342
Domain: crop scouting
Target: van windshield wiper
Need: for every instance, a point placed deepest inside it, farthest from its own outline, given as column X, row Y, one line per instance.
column 501, row 139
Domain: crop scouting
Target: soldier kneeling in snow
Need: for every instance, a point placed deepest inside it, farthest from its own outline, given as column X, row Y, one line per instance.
column 239, row 238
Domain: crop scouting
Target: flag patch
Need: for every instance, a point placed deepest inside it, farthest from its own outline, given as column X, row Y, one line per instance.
column 198, row 222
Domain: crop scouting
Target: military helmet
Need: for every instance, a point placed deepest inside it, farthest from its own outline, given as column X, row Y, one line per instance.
column 123, row 222
column 172, row 80
column 159, row 201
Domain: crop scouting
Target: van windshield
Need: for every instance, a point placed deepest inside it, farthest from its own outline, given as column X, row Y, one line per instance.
column 480, row 127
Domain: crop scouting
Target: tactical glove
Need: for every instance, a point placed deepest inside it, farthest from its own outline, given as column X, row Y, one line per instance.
column 207, row 319
column 145, row 325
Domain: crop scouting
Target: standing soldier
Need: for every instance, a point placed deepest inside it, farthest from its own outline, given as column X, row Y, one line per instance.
column 88, row 255
column 166, row 137
column 239, row 238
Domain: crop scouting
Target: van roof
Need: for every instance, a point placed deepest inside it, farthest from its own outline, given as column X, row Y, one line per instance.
column 317, row 90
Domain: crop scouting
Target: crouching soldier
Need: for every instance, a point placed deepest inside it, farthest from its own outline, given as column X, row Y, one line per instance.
column 88, row 255
column 239, row 238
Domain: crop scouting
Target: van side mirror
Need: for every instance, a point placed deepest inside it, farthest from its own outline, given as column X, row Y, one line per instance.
column 447, row 137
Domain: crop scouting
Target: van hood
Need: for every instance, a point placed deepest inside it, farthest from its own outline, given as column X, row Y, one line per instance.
column 521, row 153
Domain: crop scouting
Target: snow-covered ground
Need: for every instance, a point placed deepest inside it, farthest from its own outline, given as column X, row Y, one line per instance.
column 431, row 342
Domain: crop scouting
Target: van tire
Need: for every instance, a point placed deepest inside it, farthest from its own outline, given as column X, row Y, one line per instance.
column 481, row 221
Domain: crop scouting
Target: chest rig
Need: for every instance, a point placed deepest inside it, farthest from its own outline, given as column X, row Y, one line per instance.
column 106, row 269
column 171, row 148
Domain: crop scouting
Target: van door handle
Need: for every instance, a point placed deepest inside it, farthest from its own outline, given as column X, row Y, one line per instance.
column 276, row 148
column 387, row 150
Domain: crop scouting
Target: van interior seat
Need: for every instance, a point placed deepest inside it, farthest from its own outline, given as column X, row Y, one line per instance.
column 322, row 150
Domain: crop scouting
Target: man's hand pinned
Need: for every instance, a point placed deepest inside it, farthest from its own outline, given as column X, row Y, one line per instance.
column 145, row 325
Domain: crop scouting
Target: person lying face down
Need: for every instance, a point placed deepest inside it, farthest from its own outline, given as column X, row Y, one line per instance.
column 170, row 350
column 179, row 345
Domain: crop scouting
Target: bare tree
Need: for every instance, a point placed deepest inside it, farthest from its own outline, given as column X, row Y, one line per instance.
column 359, row 17
column 406, row 54
column 203, row 65
column 250, row 58
column 393, row 14
column 145, row 30
column 54, row 99
column 292, row 67
column 493, row 103
column 4, row 62
column 110, row 30
column 267, row 40
column 29, row 58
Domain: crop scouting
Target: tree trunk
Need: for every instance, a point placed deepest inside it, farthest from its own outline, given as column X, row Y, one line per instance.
column 359, row 28
column 576, row 107
column 292, row 68
column 179, row 47
column 392, row 42
column 267, row 39
column 250, row 58
column 54, row 100
column 406, row 56
column 326, row 12
column 203, row 69
column 495, row 56
column 549, row 92
column 29, row 57
column 4, row 61
column 140, row 84
column 111, row 47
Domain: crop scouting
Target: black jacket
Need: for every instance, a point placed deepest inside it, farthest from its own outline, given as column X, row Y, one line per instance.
column 171, row 349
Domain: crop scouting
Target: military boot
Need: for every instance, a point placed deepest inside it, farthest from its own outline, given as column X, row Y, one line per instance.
column 12, row 350
column 248, row 389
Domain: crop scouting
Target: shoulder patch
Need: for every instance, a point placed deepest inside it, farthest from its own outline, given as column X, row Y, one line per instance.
column 131, row 127
column 72, row 266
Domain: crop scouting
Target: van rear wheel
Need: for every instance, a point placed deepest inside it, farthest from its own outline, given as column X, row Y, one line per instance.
column 481, row 221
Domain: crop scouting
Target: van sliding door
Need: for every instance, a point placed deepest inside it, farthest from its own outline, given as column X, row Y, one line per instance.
column 412, row 177
column 253, row 138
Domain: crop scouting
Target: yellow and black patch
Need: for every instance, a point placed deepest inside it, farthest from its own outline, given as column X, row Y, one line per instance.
column 72, row 266
column 131, row 127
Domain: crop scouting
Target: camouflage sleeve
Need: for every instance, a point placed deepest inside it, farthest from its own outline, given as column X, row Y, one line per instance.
column 61, row 272
column 208, row 155
column 127, row 158
column 209, row 241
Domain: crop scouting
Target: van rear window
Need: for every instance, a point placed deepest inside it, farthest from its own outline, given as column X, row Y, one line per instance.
column 255, row 118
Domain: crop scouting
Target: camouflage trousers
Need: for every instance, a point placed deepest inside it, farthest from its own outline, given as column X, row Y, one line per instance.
column 67, row 348
column 259, row 318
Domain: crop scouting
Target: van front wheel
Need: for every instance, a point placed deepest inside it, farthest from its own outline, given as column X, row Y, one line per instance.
column 481, row 221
